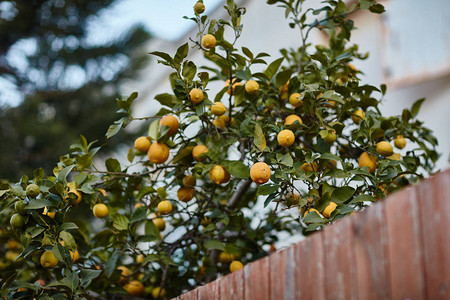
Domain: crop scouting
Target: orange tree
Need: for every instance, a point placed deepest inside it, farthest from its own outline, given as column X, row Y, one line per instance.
column 290, row 148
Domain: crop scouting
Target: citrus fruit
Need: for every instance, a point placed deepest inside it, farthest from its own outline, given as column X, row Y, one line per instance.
column 310, row 211
column 294, row 100
column 260, row 173
column 217, row 174
column 19, row 206
column 285, row 138
column 142, row 144
column 233, row 86
column 171, row 122
column 208, row 41
column 291, row 119
column 159, row 222
column 198, row 151
column 134, row 288
column 225, row 257
column 33, row 190
column 218, row 108
column 395, row 156
column 140, row 258
column 73, row 189
column 196, row 96
column 48, row 260
column 100, row 210
column 220, row 123
column 358, row 116
column 252, row 87
column 12, row 245
column 159, row 293
column 139, row 204
column 46, row 212
column 307, row 167
column 74, row 255
column 199, row 8
column 330, row 138
column 185, row 194
column 365, row 160
column 189, row 181
column 227, row 176
column 400, row 142
column 384, row 148
column 124, row 273
column 236, row 265
column 226, row 119
column 158, row 153
column 165, row 207
column 329, row 209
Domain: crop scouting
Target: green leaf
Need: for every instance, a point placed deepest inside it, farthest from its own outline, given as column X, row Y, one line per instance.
column 88, row 275
column 342, row 194
column 182, row 53
column 287, row 160
column 138, row 214
column 39, row 203
column 163, row 55
column 189, row 70
column 70, row 282
column 362, row 198
column 331, row 95
column 144, row 191
column 314, row 217
column 267, row 189
column 112, row 165
column 167, row 99
column 273, row 67
column 214, row 244
column 64, row 172
column 259, row 139
column 247, row 52
column 416, row 106
column 185, row 152
column 153, row 130
column 69, row 241
column 120, row 222
column 110, row 265
column 377, row 8
column 38, row 174
column 68, row 226
column 113, row 129
column 237, row 169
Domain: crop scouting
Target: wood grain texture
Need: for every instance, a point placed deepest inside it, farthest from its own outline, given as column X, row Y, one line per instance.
column 257, row 280
column 232, row 286
column 210, row 291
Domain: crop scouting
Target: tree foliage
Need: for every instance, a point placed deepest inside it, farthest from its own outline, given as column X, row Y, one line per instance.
column 65, row 81
column 175, row 222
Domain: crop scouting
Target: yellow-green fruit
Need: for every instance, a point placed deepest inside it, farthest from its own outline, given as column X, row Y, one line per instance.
column 189, row 181
column 291, row 119
column 225, row 257
column 217, row 174
column 73, row 189
column 330, row 138
column 142, row 144
column 134, row 288
column 165, row 207
column 236, row 265
column 365, row 160
column 158, row 153
column 185, row 194
column 260, row 173
column 100, row 210
column 196, row 96
column 252, row 87
column 33, row 190
column 17, row 221
column 384, row 148
column 48, row 260
column 220, row 123
column 285, row 138
column 199, row 8
column 159, row 223
column 199, row 150
column 208, row 41
column 171, row 122
column 400, row 142
column 329, row 209
column 294, row 100
column 309, row 167
column 218, row 108
column 358, row 116
column 158, row 293
column 226, row 119
column 19, row 206
column 140, row 258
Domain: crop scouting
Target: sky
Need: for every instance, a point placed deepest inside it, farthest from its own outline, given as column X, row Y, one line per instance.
column 163, row 19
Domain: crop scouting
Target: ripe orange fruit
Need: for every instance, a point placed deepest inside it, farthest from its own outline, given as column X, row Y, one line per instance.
column 252, row 87
column 233, row 86
column 165, row 207
column 384, row 148
column 158, row 153
column 284, row 90
column 125, row 272
column 236, row 265
column 226, row 119
column 291, row 119
column 134, row 288
column 260, row 173
column 294, row 100
column 73, row 189
column 309, row 167
column 189, row 181
column 285, row 138
column 159, row 222
column 218, row 108
column 48, row 260
column 208, row 41
column 199, row 150
column 140, row 258
column 220, row 123
column 365, row 160
column 142, row 144
column 171, row 122
column 358, row 116
column 329, row 209
column 217, row 174
column 400, row 142
column 74, row 255
column 100, row 210
column 139, row 204
column 185, row 194
column 196, row 96
column 395, row 156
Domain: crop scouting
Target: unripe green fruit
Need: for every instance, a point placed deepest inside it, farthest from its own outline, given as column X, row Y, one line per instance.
column 17, row 221
column 199, row 8
column 331, row 137
column 20, row 207
column 33, row 190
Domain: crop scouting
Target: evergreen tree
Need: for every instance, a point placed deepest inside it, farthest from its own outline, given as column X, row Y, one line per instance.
column 68, row 84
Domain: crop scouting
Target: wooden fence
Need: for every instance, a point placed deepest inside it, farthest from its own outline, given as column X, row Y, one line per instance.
column 397, row 249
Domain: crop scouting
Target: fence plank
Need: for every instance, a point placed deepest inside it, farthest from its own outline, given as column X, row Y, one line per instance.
column 191, row 295
column 277, row 265
column 434, row 210
column 405, row 251
column 232, row 286
column 371, row 253
column 340, row 275
column 210, row 291
column 309, row 273
column 256, row 278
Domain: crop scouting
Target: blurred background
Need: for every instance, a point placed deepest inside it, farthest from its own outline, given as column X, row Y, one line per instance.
column 63, row 63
